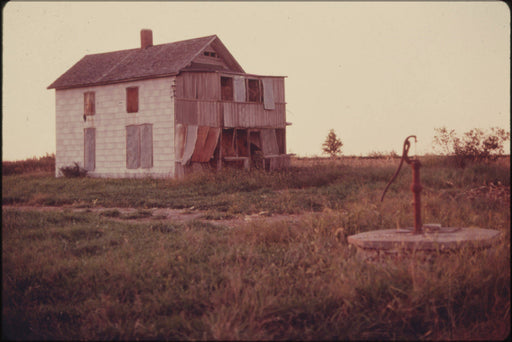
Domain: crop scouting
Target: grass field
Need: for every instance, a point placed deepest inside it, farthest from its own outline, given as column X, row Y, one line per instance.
column 85, row 275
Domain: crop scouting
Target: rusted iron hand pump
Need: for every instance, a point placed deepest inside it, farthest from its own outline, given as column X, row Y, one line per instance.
column 416, row 185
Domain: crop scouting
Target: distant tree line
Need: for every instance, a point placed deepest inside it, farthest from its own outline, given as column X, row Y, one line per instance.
column 41, row 164
column 475, row 145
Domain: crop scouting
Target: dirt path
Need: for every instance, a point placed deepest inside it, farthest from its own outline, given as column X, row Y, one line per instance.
column 174, row 215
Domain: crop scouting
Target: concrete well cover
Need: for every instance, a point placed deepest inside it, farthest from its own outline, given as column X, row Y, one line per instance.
column 448, row 238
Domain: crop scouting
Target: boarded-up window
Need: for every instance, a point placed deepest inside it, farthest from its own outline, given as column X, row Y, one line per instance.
column 226, row 88
column 139, row 146
column 268, row 93
column 132, row 147
column 239, row 85
column 146, row 146
column 254, row 90
column 89, row 103
column 90, row 149
column 132, row 99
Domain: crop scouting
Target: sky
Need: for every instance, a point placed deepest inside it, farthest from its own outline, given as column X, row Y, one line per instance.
column 375, row 72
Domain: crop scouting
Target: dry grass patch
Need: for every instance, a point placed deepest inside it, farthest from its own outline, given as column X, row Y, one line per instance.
column 87, row 275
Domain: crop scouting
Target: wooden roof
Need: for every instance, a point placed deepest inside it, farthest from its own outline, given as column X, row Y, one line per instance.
column 134, row 64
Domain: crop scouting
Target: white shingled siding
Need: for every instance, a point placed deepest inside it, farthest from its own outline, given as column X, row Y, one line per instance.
column 156, row 107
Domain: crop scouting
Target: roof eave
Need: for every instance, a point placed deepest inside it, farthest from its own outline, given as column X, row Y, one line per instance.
column 248, row 74
column 95, row 84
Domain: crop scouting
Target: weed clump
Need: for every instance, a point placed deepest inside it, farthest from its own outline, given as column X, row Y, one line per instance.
column 111, row 213
column 75, row 171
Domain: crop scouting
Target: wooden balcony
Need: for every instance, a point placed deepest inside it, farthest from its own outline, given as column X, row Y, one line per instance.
column 229, row 114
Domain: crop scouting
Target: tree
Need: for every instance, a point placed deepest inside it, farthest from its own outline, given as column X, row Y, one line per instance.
column 475, row 144
column 443, row 141
column 332, row 144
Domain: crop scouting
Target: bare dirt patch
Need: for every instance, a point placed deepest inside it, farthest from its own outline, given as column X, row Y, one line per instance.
column 174, row 215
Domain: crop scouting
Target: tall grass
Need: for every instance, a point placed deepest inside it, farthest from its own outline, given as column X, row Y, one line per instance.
column 69, row 275
column 351, row 185
column 45, row 164
column 81, row 276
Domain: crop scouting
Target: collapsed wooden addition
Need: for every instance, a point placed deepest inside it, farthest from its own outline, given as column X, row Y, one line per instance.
column 229, row 118
column 166, row 110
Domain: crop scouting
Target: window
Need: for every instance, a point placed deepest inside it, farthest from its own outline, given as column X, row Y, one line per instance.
column 89, row 104
column 90, row 149
column 132, row 99
column 139, row 146
column 211, row 54
column 226, row 88
column 254, row 90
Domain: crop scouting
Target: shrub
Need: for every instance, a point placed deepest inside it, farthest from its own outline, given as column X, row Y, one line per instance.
column 476, row 145
column 73, row 171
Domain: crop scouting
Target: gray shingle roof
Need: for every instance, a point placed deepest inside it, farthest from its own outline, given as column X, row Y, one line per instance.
column 155, row 61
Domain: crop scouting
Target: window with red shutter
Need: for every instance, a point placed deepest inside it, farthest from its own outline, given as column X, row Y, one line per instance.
column 132, row 99
column 89, row 104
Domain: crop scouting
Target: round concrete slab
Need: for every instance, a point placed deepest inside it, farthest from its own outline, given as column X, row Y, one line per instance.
column 447, row 238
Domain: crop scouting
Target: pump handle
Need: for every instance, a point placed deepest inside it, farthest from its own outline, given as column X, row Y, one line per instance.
column 405, row 157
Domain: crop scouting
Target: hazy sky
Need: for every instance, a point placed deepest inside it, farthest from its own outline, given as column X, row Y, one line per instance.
column 373, row 72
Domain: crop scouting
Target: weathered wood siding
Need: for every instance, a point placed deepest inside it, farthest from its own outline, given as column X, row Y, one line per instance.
column 247, row 115
column 197, row 112
column 198, row 102
column 279, row 89
column 198, row 85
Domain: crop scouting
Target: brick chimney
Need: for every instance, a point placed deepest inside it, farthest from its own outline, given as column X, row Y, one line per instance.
column 146, row 38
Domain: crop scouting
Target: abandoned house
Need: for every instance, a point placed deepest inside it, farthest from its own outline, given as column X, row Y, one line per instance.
column 166, row 110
